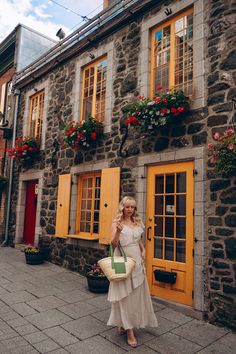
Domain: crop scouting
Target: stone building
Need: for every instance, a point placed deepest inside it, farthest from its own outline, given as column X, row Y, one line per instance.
column 126, row 51
column 19, row 49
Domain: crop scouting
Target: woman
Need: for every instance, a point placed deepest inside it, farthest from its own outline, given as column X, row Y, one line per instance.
column 130, row 298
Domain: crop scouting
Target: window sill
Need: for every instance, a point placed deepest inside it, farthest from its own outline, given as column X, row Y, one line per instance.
column 84, row 237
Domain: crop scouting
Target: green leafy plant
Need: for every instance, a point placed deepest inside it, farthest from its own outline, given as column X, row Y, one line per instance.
column 223, row 153
column 31, row 250
column 26, row 148
column 82, row 135
column 150, row 114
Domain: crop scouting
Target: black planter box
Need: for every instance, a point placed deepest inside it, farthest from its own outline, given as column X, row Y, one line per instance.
column 97, row 284
column 36, row 258
column 165, row 277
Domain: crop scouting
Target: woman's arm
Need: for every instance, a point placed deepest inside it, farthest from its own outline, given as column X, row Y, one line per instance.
column 115, row 233
column 142, row 250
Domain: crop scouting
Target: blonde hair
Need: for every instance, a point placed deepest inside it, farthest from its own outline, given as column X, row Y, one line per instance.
column 120, row 213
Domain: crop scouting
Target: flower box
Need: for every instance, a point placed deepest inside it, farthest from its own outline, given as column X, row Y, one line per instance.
column 26, row 150
column 33, row 255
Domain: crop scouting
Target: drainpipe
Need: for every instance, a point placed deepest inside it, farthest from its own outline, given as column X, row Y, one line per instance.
column 5, row 242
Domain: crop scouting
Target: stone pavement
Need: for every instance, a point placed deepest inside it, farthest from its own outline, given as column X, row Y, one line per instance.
column 48, row 309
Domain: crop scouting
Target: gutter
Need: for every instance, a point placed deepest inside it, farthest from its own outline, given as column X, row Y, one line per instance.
column 5, row 242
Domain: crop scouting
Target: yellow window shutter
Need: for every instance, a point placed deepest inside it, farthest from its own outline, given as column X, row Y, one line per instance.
column 109, row 201
column 63, row 205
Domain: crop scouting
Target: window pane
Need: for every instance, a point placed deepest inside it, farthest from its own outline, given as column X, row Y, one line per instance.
column 170, row 205
column 169, row 227
column 158, row 205
column 180, row 205
column 169, row 250
column 170, row 183
column 158, row 248
column 180, row 251
column 159, row 184
column 158, row 229
column 181, row 182
column 180, row 227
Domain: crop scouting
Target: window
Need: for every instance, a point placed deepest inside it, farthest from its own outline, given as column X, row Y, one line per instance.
column 36, row 114
column 172, row 55
column 88, row 207
column 94, row 90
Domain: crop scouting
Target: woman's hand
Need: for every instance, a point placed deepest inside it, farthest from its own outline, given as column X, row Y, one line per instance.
column 143, row 254
column 119, row 227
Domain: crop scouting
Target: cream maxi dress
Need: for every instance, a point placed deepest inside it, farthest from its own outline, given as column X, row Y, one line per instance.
column 131, row 302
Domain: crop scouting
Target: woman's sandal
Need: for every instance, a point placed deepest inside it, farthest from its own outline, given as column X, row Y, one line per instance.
column 121, row 330
column 132, row 343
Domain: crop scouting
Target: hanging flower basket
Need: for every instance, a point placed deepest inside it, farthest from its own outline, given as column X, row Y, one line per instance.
column 223, row 153
column 82, row 135
column 150, row 114
column 3, row 183
column 26, row 150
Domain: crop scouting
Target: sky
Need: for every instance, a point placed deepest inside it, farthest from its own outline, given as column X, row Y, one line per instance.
column 45, row 16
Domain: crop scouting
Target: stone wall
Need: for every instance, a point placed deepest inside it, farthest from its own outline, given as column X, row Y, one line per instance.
column 196, row 129
column 221, row 68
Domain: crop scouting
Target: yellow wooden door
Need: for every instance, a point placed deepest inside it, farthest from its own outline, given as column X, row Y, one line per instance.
column 170, row 201
column 63, row 205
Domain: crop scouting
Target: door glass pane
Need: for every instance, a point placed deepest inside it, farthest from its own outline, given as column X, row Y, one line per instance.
column 180, row 227
column 180, row 205
column 170, row 183
column 170, row 205
column 169, row 250
column 159, row 184
column 158, row 248
column 158, row 229
column 158, row 205
column 169, row 227
column 181, row 182
column 180, row 251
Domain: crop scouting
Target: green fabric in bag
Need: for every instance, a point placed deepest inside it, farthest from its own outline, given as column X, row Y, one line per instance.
column 119, row 267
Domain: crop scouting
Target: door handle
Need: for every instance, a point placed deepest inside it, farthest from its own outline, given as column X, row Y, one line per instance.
column 148, row 233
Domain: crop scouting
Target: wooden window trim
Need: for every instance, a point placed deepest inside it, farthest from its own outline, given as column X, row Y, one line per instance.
column 36, row 95
column 94, row 65
column 172, row 49
column 79, row 234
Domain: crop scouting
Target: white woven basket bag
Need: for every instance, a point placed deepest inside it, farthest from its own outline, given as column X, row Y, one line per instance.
column 117, row 268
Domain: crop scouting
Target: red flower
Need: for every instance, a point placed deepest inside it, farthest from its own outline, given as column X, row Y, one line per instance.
column 158, row 87
column 93, row 136
column 180, row 109
column 131, row 120
column 164, row 100
column 229, row 132
column 163, row 111
column 157, row 99
column 230, row 147
column 210, row 146
column 173, row 110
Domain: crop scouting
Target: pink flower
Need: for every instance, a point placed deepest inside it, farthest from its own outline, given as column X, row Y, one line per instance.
column 30, row 149
column 141, row 97
column 212, row 160
column 217, row 136
column 229, row 132
column 158, row 87
column 210, row 146
column 230, row 147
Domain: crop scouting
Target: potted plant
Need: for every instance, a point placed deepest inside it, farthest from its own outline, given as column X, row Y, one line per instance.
column 223, row 153
column 150, row 114
column 97, row 281
column 82, row 135
column 3, row 183
column 33, row 255
column 26, row 150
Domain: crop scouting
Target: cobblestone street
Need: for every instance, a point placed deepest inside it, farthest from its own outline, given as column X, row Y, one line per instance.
column 48, row 309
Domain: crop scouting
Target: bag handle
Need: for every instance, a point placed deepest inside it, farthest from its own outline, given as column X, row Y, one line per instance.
column 122, row 252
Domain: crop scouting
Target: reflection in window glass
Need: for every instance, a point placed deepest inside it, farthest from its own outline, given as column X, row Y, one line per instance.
column 158, row 248
column 181, row 182
column 169, row 227
column 159, row 184
column 158, row 229
column 159, row 205
column 180, row 251
column 170, row 183
column 180, row 205
column 180, row 227
column 169, row 250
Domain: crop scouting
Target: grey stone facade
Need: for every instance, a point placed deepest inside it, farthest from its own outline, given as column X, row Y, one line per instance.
column 218, row 242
